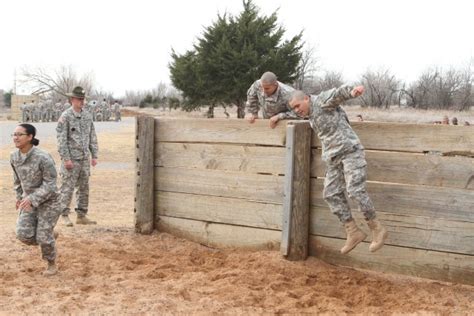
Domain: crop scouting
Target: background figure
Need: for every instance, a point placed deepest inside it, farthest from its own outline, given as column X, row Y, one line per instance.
column 24, row 112
column 37, row 199
column 445, row 120
column 454, row 121
column 116, row 110
column 77, row 143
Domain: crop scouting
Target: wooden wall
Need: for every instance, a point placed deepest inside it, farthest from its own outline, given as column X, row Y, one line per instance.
column 18, row 100
column 421, row 180
column 221, row 183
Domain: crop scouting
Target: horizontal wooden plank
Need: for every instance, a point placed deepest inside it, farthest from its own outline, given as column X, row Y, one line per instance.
column 219, row 209
column 220, row 235
column 255, row 187
column 433, row 202
column 420, row 263
column 404, row 230
column 227, row 157
column 411, row 168
column 219, row 131
column 412, row 137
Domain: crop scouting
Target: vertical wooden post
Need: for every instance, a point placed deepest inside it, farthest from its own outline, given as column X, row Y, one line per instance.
column 295, row 225
column 144, row 190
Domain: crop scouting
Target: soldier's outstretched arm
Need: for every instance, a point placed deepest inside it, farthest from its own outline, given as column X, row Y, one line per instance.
column 331, row 99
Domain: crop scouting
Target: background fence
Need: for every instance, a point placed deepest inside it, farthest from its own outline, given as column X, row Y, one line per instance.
column 222, row 183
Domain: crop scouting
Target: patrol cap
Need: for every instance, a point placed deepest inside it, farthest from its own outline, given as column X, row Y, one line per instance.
column 77, row 92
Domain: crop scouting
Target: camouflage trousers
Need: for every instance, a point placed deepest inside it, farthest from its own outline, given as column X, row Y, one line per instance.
column 75, row 178
column 347, row 172
column 36, row 227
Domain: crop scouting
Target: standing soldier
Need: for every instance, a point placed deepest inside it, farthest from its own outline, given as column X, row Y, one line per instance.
column 116, row 109
column 105, row 110
column 36, row 112
column 66, row 106
column 49, row 110
column 346, row 167
column 24, row 112
column 57, row 109
column 271, row 96
column 94, row 109
column 77, row 146
column 42, row 111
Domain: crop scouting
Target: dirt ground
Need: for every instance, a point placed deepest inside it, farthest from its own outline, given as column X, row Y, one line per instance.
column 108, row 269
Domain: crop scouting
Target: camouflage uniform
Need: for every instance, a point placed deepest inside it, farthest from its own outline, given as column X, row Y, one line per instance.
column 116, row 109
column 35, row 178
column 77, row 141
column 272, row 105
column 343, row 153
column 24, row 112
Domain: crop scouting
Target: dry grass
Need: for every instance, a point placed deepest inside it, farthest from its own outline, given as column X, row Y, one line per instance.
column 394, row 114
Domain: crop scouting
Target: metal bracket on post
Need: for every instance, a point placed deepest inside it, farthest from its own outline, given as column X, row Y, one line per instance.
column 288, row 201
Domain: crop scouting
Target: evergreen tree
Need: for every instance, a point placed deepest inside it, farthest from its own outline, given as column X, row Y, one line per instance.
column 231, row 54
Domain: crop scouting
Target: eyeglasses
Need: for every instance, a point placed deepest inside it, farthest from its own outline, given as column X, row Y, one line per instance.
column 18, row 134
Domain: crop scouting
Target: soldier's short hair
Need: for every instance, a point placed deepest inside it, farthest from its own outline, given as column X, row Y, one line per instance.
column 268, row 78
column 297, row 95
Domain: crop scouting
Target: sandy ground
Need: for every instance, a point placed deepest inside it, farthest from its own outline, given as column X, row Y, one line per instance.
column 108, row 269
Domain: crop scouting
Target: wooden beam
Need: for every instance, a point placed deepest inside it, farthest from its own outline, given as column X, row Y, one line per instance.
column 220, row 235
column 225, row 157
column 420, row 263
column 417, row 200
column 413, row 137
column 296, row 206
column 410, row 231
column 255, row 187
column 144, row 208
column 411, row 168
column 216, row 209
column 220, row 131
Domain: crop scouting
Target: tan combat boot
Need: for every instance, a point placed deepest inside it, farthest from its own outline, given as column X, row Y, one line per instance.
column 83, row 220
column 379, row 234
column 67, row 221
column 354, row 236
column 52, row 269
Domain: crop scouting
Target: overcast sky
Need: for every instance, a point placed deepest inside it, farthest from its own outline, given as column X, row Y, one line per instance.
column 127, row 44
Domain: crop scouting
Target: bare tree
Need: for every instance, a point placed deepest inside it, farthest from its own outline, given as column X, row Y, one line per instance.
column 56, row 82
column 307, row 68
column 381, row 88
column 437, row 88
column 330, row 79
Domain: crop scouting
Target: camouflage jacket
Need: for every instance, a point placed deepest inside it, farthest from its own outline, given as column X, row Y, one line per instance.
column 270, row 105
column 34, row 176
column 331, row 124
column 76, row 136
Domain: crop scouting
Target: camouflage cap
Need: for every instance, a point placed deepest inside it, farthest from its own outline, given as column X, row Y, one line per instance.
column 77, row 92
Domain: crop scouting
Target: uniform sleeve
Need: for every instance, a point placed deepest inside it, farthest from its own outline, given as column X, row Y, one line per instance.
column 93, row 144
column 16, row 184
column 48, row 185
column 62, row 130
column 289, row 115
column 333, row 98
column 252, row 99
